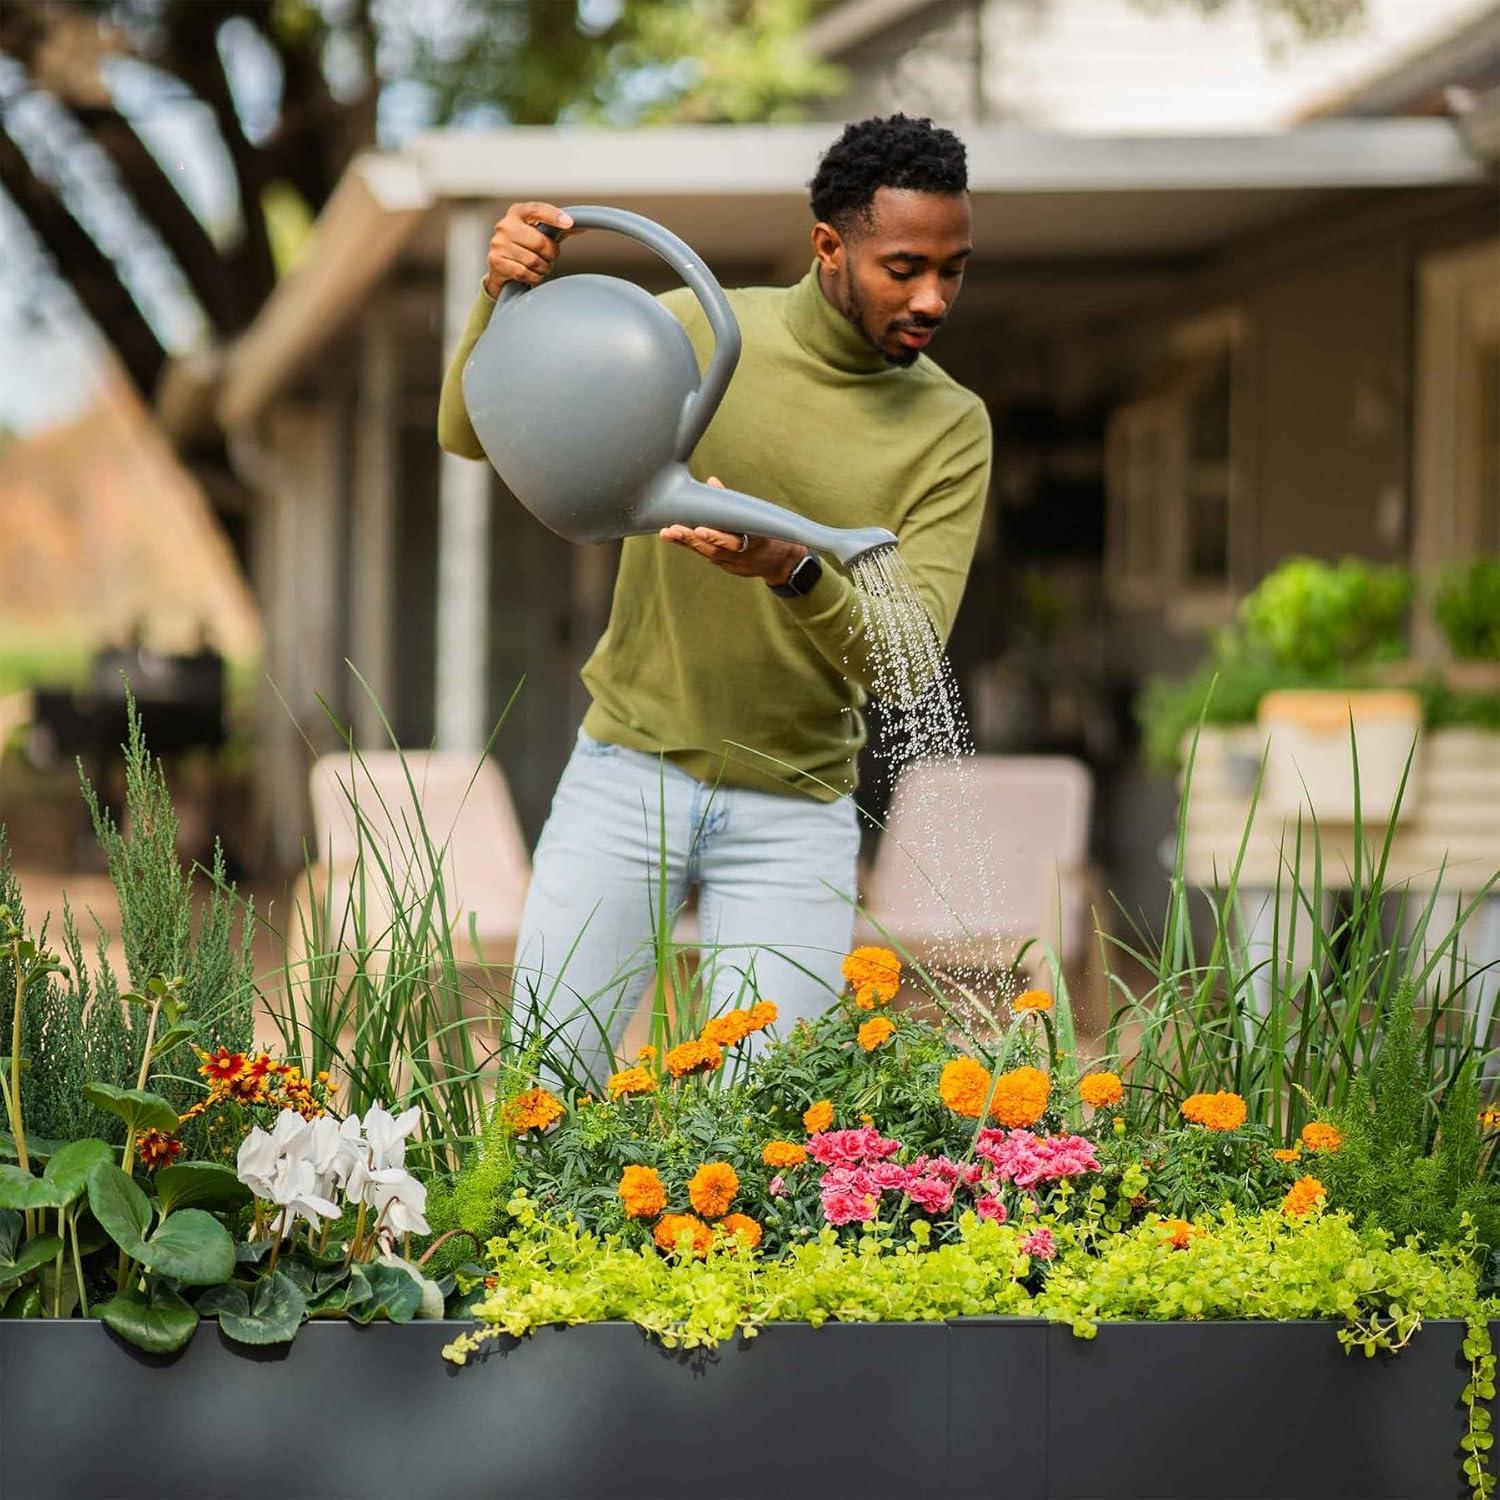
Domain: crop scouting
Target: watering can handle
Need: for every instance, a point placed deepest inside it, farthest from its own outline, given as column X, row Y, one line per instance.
column 701, row 405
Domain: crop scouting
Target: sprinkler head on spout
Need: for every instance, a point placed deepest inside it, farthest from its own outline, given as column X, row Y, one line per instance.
column 860, row 543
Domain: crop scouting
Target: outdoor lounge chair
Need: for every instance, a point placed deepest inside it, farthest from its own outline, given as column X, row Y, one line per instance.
column 924, row 888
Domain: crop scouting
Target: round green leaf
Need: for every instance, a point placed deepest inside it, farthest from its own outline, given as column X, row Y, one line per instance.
column 139, row 1109
column 192, row 1247
column 20, row 1189
column 122, row 1209
column 68, row 1169
column 392, row 1293
column 37, row 1251
column 172, row 1037
column 199, row 1184
column 271, row 1315
column 158, row 1321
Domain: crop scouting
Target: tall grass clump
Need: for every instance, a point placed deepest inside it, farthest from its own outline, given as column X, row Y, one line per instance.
column 1290, row 1032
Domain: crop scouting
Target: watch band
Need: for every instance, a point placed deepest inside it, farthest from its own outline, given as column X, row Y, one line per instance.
column 801, row 580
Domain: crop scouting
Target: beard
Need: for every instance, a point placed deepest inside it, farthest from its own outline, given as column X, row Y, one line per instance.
column 855, row 312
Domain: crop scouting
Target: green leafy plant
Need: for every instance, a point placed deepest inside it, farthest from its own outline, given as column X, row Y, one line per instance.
column 1467, row 609
column 1409, row 1164
column 1320, row 617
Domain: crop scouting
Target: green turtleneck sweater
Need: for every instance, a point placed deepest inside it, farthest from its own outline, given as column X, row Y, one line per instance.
column 727, row 679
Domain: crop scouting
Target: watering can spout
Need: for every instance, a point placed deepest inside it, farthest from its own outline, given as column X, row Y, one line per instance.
column 677, row 499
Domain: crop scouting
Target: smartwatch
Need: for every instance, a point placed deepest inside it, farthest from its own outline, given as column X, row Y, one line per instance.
column 802, row 579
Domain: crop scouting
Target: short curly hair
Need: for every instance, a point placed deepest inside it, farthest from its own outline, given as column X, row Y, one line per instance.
column 894, row 152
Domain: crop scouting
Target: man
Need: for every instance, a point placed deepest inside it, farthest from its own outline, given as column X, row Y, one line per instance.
column 728, row 684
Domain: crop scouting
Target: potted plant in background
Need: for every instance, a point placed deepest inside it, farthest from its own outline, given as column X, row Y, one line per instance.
column 1466, row 607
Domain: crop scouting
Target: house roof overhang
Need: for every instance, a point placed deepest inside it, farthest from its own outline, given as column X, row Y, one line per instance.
column 738, row 195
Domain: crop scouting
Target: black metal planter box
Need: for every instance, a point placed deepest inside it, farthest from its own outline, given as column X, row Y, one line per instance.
column 973, row 1410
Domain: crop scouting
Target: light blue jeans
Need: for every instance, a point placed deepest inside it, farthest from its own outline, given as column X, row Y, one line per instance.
column 776, row 878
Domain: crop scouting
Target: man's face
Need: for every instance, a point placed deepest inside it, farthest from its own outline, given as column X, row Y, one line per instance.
column 898, row 283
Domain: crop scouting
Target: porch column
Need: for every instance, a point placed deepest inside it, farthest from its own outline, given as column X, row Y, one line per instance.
column 372, row 525
column 463, row 522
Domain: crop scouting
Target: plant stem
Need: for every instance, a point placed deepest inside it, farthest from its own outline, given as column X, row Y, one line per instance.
column 83, row 1296
column 276, row 1248
column 57, row 1270
column 140, row 1082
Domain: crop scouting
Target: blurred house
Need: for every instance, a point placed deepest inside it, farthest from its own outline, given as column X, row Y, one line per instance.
column 1202, row 350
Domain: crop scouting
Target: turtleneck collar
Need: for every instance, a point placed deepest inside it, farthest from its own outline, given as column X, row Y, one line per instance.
column 826, row 333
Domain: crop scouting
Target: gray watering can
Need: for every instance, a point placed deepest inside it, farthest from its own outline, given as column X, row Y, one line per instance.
column 585, row 394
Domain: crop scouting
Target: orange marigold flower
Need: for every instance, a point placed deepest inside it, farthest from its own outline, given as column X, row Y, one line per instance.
column 1289, row 1155
column 1100, row 1090
column 641, row 1192
column 1221, row 1111
column 875, row 1031
column 670, row 1229
column 536, row 1109
column 762, row 1014
column 1031, row 1000
column 219, row 1067
column 1317, row 1136
column 738, row 1229
column 631, row 1081
column 693, row 1057
column 817, row 1117
column 1178, row 1233
column 712, row 1188
column 874, row 974
column 157, row 1149
column 645, row 1055
column 729, row 1029
column 963, row 1086
column 1306, row 1194
column 1489, row 1119
column 783, row 1154
column 1020, row 1097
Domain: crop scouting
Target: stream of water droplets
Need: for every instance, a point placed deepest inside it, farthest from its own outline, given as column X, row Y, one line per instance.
column 950, row 876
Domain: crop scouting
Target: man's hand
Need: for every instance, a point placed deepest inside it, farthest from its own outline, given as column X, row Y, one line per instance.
column 765, row 557
column 519, row 251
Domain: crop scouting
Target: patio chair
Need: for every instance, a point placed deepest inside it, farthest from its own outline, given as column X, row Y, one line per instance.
column 923, row 888
column 469, row 820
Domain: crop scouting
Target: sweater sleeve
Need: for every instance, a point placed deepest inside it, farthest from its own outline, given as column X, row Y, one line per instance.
column 937, row 543
column 454, row 430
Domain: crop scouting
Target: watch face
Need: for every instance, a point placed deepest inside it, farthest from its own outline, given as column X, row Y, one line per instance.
column 806, row 574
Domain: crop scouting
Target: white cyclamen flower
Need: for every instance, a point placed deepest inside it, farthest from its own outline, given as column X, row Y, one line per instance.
column 295, row 1189
column 387, row 1135
column 255, row 1163
column 399, row 1201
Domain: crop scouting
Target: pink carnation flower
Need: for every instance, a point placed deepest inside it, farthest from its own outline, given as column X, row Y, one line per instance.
column 778, row 1186
column 1025, row 1159
column 844, row 1206
column 931, row 1194
column 990, row 1207
column 850, row 1147
column 1039, row 1244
